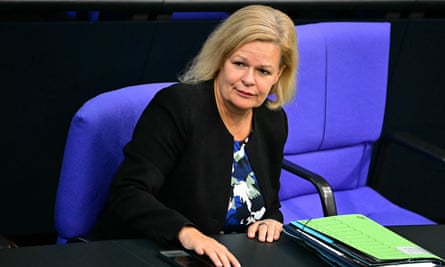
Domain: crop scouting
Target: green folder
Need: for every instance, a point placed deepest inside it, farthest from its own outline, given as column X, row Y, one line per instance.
column 359, row 233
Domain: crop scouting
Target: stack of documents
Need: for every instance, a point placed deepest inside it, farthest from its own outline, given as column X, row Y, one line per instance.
column 356, row 240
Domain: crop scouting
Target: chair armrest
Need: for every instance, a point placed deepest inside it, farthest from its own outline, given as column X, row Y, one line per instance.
column 79, row 240
column 406, row 140
column 84, row 239
column 6, row 243
column 324, row 189
column 419, row 145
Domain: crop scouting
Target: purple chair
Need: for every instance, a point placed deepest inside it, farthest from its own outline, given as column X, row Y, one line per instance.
column 333, row 124
column 93, row 152
column 335, row 121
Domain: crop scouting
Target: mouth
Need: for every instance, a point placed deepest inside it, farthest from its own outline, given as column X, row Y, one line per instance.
column 243, row 93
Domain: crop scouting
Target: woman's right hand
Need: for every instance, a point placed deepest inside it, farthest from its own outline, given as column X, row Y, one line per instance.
column 191, row 238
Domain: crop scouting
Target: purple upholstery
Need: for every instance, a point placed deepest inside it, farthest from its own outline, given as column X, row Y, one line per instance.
column 93, row 152
column 337, row 115
column 335, row 119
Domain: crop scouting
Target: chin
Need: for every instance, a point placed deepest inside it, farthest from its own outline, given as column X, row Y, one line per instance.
column 243, row 106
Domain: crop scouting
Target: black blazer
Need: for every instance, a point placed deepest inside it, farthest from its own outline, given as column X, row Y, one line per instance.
column 177, row 167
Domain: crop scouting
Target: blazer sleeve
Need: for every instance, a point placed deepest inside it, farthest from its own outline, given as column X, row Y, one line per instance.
column 150, row 155
column 266, row 155
column 281, row 132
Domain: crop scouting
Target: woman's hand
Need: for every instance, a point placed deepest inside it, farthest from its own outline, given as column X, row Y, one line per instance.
column 192, row 238
column 268, row 230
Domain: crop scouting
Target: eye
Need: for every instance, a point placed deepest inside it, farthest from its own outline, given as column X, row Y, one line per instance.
column 238, row 63
column 264, row 72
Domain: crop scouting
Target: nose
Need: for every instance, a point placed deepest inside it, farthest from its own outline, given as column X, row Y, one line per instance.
column 248, row 78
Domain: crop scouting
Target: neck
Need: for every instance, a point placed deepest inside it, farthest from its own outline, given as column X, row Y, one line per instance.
column 238, row 122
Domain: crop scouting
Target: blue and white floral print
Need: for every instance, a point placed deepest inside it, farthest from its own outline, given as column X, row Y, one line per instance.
column 246, row 203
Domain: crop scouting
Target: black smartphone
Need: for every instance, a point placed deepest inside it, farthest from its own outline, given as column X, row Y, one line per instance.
column 183, row 258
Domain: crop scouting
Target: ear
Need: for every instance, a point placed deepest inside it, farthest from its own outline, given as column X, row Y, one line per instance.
column 280, row 71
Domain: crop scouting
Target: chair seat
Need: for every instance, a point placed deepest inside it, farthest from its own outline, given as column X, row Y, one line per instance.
column 363, row 200
column 336, row 119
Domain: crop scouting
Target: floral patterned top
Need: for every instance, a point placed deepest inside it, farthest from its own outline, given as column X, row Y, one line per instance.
column 246, row 204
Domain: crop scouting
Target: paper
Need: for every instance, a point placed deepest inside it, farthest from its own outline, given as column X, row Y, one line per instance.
column 367, row 236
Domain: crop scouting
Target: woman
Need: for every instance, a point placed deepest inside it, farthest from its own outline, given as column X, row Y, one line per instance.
column 205, row 157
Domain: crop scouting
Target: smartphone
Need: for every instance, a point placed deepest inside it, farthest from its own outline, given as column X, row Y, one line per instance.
column 183, row 258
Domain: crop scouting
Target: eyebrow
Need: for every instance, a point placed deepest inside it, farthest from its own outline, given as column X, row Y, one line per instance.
column 260, row 66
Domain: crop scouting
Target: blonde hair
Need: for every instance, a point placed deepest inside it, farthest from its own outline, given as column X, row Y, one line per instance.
column 248, row 24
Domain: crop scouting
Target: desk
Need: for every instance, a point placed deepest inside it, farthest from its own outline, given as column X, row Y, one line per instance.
column 141, row 252
column 431, row 237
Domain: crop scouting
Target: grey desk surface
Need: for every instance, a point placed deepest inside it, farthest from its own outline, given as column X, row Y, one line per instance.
column 431, row 237
column 140, row 252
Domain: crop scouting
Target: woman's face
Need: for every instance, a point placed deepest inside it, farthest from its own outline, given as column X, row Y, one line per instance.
column 246, row 77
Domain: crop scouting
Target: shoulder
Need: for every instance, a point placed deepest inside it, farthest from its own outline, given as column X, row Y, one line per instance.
column 270, row 114
column 185, row 92
column 182, row 99
column 273, row 122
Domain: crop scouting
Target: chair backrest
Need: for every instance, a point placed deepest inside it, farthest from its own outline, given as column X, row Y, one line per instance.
column 98, row 132
column 339, row 109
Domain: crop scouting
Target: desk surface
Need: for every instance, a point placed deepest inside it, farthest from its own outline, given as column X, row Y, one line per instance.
column 140, row 252
column 430, row 237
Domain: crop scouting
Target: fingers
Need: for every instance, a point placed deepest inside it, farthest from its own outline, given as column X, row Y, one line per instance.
column 266, row 230
column 193, row 239
column 217, row 253
column 220, row 256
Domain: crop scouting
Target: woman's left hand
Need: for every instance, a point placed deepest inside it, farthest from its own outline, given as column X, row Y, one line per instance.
column 267, row 230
